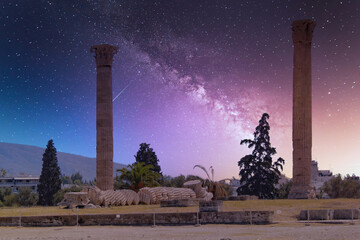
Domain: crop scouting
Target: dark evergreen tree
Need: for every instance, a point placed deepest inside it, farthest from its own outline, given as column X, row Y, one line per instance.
column 258, row 173
column 50, row 181
column 147, row 156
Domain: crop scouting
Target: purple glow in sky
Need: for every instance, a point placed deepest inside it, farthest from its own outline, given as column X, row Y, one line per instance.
column 194, row 77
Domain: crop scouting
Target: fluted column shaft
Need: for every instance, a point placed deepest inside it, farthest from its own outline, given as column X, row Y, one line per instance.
column 302, row 109
column 104, row 116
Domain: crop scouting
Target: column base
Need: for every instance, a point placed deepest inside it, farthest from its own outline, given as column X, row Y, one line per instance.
column 301, row 192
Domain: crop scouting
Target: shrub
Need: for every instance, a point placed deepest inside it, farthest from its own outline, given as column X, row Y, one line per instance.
column 26, row 197
column 10, row 200
column 338, row 187
column 4, row 192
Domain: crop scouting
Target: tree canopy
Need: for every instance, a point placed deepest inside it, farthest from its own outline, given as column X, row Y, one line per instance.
column 49, row 182
column 76, row 178
column 139, row 175
column 338, row 187
column 146, row 155
column 258, row 173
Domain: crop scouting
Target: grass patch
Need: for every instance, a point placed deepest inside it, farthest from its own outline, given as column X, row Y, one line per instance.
column 284, row 209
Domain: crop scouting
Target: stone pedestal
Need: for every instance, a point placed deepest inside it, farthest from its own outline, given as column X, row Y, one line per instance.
column 302, row 31
column 104, row 116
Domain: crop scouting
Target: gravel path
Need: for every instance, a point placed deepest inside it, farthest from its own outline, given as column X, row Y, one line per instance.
column 204, row 232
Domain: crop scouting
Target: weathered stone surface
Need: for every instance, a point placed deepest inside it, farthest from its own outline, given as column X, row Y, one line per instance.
column 323, row 214
column 93, row 194
column 175, row 218
column 157, row 194
column 74, row 199
column 302, row 128
column 110, row 197
column 242, row 217
column 208, row 196
column 104, row 116
column 180, row 203
column 90, row 205
column 195, row 185
column 329, row 214
column 39, row 221
column 200, row 192
column 210, row 206
column 348, row 214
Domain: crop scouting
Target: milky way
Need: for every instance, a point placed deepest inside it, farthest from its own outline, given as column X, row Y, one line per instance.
column 194, row 78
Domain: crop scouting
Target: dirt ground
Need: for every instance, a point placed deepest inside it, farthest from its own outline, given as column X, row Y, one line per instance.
column 208, row 232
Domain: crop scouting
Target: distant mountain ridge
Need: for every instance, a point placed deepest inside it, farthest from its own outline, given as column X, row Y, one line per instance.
column 17, row 158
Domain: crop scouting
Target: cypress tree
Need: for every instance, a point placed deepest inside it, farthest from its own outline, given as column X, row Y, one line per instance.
column 259, row 174
column 147, row 156
column 50, row 181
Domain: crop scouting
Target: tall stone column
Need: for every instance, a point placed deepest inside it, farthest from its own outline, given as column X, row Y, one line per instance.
column 302, row 31
column 104, row 116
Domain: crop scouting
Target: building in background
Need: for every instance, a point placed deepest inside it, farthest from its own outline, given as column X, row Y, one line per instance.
column 18, row 182
column 319, row 177
column 233, row 184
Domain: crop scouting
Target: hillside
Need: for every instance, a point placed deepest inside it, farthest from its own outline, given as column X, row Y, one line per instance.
column 16, row 158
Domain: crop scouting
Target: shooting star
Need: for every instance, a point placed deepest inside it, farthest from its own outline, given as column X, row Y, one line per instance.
column 122, row 91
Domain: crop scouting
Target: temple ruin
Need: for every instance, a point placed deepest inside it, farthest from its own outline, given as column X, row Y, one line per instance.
column 104, row 116
column 302, row 31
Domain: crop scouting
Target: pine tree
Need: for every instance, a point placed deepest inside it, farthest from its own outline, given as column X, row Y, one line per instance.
column 259, row 174
column 147, row 156
column 50, row 181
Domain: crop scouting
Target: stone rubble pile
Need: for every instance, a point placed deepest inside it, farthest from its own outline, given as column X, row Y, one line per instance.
column 92, row 196
column 111, row 197
column 200, row 192
column 74, row 199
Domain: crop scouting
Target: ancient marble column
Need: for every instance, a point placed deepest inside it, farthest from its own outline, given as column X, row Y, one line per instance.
column 104, row 116
column 302, row 31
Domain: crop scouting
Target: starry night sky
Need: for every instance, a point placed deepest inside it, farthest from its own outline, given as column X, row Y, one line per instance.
column 194, row 78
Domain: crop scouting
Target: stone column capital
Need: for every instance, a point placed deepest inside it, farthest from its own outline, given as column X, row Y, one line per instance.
column 302, row 31
column 104, row 54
